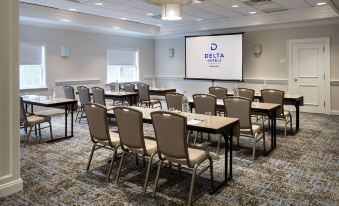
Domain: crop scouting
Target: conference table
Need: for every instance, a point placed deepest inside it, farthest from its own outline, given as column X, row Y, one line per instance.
column 267, row 109
column 160, row 91
column 289, row 99
column 129, row 96
column 205, row 123
column 50, row 102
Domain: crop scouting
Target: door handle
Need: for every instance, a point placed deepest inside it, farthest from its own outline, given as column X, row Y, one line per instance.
column 295, row 79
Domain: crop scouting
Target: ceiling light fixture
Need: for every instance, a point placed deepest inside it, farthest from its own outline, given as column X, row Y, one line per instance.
column 198, row 19
column 65, row 20
column 71, row 9
column 116, row 27
column 149, row 14
column 99, row 3
column 123, row 18
column 235, row 6
column 252, row 12
column 321, row 3
column 171, row 9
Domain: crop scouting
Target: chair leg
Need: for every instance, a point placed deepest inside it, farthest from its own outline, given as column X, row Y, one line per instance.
column 157, row 177
column 120, row 165
column 254, row 145
column 76, row 117
column 39, row 128
column 82, row 112
column 238, row 141
column 36, row 130
column 195, row 138
column 147, row 173
column 160, row 105
column 218, row 147
column 291, row 128
column 263, row 139
column 29, row 134
column 90, row 158
column 285, row 132
column 211, row 173
column 192, row 185
column 111, row 165
column 50, row 130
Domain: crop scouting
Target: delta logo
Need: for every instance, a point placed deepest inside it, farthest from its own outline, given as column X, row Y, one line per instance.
column 214, row 57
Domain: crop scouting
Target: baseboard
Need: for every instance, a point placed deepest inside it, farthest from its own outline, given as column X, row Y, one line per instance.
column 334, row 112
column 11, row 187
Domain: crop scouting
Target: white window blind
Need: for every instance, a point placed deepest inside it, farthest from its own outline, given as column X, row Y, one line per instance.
column 32, row 66
column 122, row 65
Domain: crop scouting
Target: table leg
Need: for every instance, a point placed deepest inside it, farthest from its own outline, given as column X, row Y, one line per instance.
column 272, row 118
column 231, row 152
column 297, row 117
column 72, row 108
column 275, row 129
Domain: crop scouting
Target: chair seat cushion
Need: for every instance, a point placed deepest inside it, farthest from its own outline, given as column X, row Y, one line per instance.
column 195, row 156
column 115, row 139
column 255, row 128
column 37, row 119
column 150, row 144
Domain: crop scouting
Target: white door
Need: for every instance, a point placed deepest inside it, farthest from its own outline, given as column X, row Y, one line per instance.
column 307, row 73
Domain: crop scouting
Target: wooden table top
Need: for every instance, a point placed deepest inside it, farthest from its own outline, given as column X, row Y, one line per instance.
column 47, row 101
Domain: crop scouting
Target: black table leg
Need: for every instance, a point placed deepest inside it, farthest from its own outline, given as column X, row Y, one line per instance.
column 66, row 125
column 72, row 108
column 66, row 114
column 297, row 116
column 231, row 153
column 272, row 118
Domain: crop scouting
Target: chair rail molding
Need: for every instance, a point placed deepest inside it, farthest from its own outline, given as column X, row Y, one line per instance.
column 76, row 82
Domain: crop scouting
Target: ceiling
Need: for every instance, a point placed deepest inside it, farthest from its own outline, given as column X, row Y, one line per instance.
column 210, row 14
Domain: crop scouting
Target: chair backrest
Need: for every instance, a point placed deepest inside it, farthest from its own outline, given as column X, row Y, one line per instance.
column 174, row 100
column 97, row 122
column 69, row 92
column 128, row 87
column 276, row 97
column 219, row 92
column 99, row 95
column 171, row 133
column 143, row 90
column 239, row 107
column 205, row 103
column 23, row 115
column 113, row 86
column 84, row 95
column 246, row 93
column 130, row 126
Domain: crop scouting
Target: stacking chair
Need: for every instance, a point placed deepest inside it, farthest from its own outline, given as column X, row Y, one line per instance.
column 219, row 92
column 99, row 97
column 171, row 131
column 205, row 103
column 277, row 97
column 132, row 139
column 174, row 100
column 69, row 94
column 144, row 96
column 246, row 93
column 100, row 135
column 33, row 121
column 240, row 107
column 84, row 97
column 113, row 86
column 128, row 87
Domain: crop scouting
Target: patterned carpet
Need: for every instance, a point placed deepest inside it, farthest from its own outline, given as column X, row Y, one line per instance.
column 303, row 170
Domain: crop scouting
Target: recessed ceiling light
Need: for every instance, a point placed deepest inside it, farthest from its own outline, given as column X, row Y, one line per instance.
column 198, row 19
column 253, row 12
column 149, row 14
column 116, row 27
column 71, row 9
column 197, row 1
column 158, row 24
column 99, row 3
column 65, row 20
column 321, row 3
column 123, row 18
column 235, row 6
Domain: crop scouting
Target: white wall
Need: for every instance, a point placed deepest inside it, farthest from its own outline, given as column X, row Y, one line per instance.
column 267, row 66
column 10, row 180
column 88, row 52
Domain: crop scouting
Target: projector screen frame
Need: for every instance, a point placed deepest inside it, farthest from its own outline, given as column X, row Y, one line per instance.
column 219, row 80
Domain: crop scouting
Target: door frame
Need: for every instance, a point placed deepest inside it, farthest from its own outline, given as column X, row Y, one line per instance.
column 327, row 66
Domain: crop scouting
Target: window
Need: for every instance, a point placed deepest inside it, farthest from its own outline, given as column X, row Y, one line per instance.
column 32, row 66
column 122, row 65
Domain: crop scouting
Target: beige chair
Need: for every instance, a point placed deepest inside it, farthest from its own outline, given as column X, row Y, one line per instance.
column 128, row 87
column 239, row 107
column 99, row 97
column 277, row 97
column 246, row 93
column 171, row 131
column 174, row 100
column 84, row 97
column 219, row 92
column 132, row 139
column 33, row 121
column 144, row 96
column 100, row 135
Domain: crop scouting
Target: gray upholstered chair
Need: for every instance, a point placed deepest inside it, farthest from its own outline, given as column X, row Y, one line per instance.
column 132, row 139
column 171, row 131
column 144, row 96
column 246, row 93
column 84, row 97
column 174, row 100
column 239, row 107
column 69, row 94
column 219, row 92
column 33, row 121
column 277, row 97
column 128, row 87
column 100, row 135
column 113, row 86
column 99, row 97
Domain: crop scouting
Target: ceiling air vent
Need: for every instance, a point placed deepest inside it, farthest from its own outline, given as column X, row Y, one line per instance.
column 266, row 6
